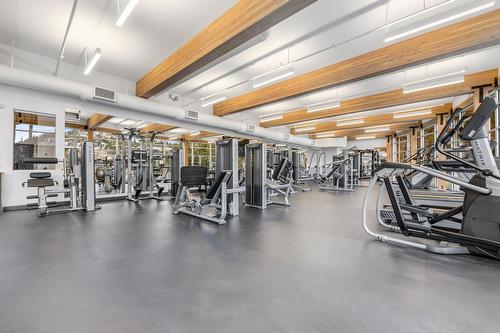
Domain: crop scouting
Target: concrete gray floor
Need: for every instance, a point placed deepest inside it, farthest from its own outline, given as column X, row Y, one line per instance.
column 308, row 268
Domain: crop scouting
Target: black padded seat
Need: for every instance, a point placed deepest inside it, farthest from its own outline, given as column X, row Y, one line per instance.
column 193, row 175
column 40, row 175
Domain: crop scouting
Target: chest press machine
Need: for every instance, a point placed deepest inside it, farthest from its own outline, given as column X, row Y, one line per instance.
column 222, row 198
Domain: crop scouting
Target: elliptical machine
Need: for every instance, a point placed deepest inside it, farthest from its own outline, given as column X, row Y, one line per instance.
column 479, row 232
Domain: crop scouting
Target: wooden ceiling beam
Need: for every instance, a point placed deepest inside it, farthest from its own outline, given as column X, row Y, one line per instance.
column 97, row 119
column 241, row 23
column 376, row 120
column 202, row 135
column 156, row 128
column 98, row 129
column 472, row 34
column 389, row 99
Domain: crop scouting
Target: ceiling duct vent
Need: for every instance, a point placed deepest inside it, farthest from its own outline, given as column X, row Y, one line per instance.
column 250, row 128
column 190, row 114
column 104, row 94
column 72, row 115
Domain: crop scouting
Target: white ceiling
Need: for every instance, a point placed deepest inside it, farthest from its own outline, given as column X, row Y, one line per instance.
column 157, row 27
column 154, row 30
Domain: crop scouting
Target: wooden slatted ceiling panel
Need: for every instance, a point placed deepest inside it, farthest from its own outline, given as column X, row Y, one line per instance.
column 375, row 120
column 361, row 131
column 241, row 23
column 388, row 99
column 472, row 34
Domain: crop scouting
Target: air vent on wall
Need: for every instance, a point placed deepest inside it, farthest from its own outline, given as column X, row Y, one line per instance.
column 250, row 128
column 72, row 115
column 190, row 114
column 104, row 94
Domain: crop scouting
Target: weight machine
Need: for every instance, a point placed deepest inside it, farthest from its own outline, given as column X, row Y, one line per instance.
column 222, row 198
column 140, row 169
column 78, row 184
column 260, row 190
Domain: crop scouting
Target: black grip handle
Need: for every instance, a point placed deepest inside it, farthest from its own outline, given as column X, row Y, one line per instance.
column 40, row 160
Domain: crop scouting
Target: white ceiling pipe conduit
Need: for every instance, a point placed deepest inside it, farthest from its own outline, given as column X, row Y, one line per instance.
column 54, row 85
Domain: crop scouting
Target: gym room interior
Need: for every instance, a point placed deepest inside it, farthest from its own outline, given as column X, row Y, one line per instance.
column 249, row 166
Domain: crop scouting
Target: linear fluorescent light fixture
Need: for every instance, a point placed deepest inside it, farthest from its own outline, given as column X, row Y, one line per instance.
column 323, row 106
column 465, row 12
column 421, row 12
column 434, row 82
column 195, row 133
column 398, row 115
column 272, row 76
column 377, row 129
column 348, row 122
column 176, row 137
column 213, row 139
column 276, row 117
column 325, row 135
column 211, row 101
column 126, row 12
column 304, row 129
column 95, row 58
column 365, row 137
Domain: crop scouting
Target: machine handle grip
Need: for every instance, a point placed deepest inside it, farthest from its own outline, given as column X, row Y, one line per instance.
column 40, row 160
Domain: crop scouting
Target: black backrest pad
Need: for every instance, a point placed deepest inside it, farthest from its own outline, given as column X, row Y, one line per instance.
column 40, row 175
column 193, row 175
column 213, row 189
column 33, row 182
column 277, row 171
column 479, row 118
column 286, row 169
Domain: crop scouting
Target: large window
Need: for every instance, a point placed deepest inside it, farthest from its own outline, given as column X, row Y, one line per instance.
column 429, row 135
column 34, row 136
column 402, row 147
column 200, row 153
column 105, row 147
column 74, row 137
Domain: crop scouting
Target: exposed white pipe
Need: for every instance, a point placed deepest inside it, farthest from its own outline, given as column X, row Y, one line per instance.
column 168, row 114
column 68, row 27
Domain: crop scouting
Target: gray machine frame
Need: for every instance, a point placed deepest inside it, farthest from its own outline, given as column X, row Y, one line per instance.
column 226, row 159
column 255, row 175
column 81, row 184
column 259, row 189
column 227, row 196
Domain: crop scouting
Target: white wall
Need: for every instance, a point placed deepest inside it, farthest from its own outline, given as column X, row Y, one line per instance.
column 12, row 98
